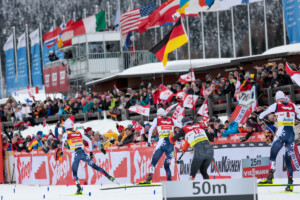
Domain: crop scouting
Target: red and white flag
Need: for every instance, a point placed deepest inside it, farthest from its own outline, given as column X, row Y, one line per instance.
column 178, row 113
column 190, row 101
column 171, row 108
column 295, row 75
column 138, row 127
column 142, row 110
column 166, row 94
column 180, row 95
column 30, row 92
column 44, row 122
column 116, row 88
column 237, row 88
column 203, row 111
column 186, row 78
column 295, row 159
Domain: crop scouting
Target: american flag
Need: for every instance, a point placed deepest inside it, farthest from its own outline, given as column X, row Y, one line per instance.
column 130, row 20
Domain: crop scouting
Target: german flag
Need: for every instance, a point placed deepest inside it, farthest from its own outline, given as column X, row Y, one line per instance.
column 173, row 40
column 32, row 143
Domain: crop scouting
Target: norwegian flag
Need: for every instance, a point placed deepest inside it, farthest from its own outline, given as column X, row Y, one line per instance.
column 178, row 113
column 166, row 94
column 190, row 101
column 30, row 92
column 44, row 122
column 138, row 127
column 203, row 111
column 186, row 78
column 142, row 110
column 171, row 108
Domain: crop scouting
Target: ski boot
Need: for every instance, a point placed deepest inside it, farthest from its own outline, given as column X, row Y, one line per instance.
column 148, row 180
column 79, row 190
column 268, row 180
column 169, row 179
column 112, row 179
column 289, row 188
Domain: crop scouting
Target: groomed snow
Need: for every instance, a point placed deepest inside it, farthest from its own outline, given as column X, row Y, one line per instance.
column 23, row 192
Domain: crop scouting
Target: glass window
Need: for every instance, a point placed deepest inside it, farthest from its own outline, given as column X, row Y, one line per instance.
column 112, row 46
column 96, row 47
column 82, row 49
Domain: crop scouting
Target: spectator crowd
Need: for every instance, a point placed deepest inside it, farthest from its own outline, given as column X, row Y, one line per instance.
column 266, row 76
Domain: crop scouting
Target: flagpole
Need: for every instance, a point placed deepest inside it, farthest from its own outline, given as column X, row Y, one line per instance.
column 108, row 13
column 121, row 38
column 219, row 43
column 133, row 43
column 96, row 9
column 233, row 34
column 84, row 13
column 266, row 28
column 28, row 56
column 74, row 16
column 189, row 44
column 161, row 28
column 249, row 30
column 63, row 19
column 1, row 75
column 284, row 28
column 41, row 44
column 202, row 31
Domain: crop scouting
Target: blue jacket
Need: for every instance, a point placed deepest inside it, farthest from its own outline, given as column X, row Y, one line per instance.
column 233, row 128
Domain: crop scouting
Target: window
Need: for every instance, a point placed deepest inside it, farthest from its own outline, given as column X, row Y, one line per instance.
column 96, row 47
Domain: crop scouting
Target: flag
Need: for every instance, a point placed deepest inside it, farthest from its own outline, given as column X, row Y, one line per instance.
column 171, row 108
column 138, row 127
column 180, row 95
column 190, row 101
column 186, row 78
column 116, row 22
column 161, row 16
column 183, row 5
column 90, row 24
column 116, row 88
column 237, row 88
column 166, row 94
column 131, row 20
column 295, row 157
column 28, row 101
column 62, row 121
column 32, row 143
column 30, row 93
column 128, row 45
column 178, row 113
column 295, row 75
column 51, row 38
column 173, row 40
column 142, row 110
column 10, row 65
column 203, row 111
column 114, row 115
column 44, row 122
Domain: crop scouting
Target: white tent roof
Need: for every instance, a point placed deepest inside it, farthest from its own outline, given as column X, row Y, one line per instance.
column 291, row 48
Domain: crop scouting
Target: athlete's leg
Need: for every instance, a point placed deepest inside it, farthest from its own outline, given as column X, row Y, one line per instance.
column 276, row 146
column 289, row 153
column 198, row 159
column 75, row 163
column 168, row 159
column 209, row 154
column 91, row 163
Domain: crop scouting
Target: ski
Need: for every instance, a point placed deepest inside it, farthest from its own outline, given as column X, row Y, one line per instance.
column 287, row 192
column 131, row 186
column 270, row 185
column 70, row 195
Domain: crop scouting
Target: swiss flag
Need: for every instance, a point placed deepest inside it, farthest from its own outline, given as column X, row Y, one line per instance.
column 186, row 78
column 166, row 94
column 295, row 75
column 178, row 113
column 142, row 110
column 203, row 111
column 190, row 101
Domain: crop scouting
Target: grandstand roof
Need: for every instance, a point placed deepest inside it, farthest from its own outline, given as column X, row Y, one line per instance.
column 179, row 66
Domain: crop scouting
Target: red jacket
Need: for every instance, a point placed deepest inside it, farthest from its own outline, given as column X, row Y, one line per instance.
column 156, row 99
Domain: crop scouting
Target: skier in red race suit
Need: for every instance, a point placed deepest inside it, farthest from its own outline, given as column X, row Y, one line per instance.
column 165, row 126
column 196, row 137
column 285, row 112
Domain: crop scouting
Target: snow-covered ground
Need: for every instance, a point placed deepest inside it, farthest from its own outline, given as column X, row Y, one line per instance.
column 97, row 125
column 22, row 192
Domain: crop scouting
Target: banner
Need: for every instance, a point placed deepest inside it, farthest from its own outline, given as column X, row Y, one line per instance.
column 36, row 70
column 10, row 65
column 22, row 76
column 47, row 80
column 291, row 10
column 63, row 79
column 1, row 158
column 142, row 110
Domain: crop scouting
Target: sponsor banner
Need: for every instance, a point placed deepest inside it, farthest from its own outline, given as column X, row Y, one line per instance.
column 256, row 167
column 22, row 76
column 47, row 80
column 10, row 65
column 63, row 79
column 36, row 70
column 56, row 79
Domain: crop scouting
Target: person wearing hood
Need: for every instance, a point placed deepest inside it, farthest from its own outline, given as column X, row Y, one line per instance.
column 285, row 111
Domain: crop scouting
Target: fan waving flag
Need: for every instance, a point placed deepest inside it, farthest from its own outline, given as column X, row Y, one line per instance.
column 171, row 108
column 295, row 75
column 172, row 41
column 186, row 78
column 142, row 110
column 130, row 20
column 190, row 101
column 203, row 111
column 166, row 94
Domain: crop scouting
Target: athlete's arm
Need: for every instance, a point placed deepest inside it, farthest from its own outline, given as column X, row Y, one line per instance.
column 297, row 110
column 178, row 135
column 154, row 124
column 176, row 123
column 88, row 140
column 272, row 108
column 64, row 139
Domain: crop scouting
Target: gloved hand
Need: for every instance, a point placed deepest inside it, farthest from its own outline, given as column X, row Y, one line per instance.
column 148, row 145
column 112, row 141
column 103, row 151
column 91, row 155
column 61, row 154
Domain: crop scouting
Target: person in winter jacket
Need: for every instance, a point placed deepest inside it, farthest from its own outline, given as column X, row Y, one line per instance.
column 233, row 128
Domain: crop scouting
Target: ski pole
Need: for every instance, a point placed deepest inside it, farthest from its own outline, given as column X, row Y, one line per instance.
column 216, row 167
column 179, row 159
column 272, row 131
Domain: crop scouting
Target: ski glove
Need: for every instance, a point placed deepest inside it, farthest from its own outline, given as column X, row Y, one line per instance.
column 103, row 151
column 91, row 155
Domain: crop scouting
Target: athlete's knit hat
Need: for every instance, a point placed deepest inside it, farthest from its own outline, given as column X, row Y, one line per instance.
column 161, row 111
column 279, row 95
column 68, row 124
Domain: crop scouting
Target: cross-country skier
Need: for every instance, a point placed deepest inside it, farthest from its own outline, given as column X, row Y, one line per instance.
column 196, row 137
column 75, row 141
column 165, row 127
column 285, row 112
